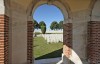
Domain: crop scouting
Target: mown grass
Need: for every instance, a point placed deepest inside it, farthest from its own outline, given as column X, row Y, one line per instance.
column 42, row 50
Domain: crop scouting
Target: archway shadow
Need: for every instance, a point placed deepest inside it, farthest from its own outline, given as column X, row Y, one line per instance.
column 53, row 54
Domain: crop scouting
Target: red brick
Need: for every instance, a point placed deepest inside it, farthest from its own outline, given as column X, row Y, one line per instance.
column 93, row 47
column 29, row 41
column 4, row 39
column 67, row 40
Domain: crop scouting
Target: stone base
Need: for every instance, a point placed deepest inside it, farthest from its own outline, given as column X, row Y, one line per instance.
column 65, row 60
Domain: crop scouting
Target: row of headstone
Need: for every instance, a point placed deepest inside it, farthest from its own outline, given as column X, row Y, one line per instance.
column 53, row 38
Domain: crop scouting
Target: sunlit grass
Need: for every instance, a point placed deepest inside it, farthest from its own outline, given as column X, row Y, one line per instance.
column 43, row 50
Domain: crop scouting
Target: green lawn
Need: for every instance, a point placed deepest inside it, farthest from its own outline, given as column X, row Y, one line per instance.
column 42, row 50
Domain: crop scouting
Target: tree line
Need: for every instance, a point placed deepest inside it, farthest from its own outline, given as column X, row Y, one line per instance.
column 42, row 25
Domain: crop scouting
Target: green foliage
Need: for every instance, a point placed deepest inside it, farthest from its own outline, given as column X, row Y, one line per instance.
column 42, row 23
column 54, row 25
column 61, row 25
column 51, row 27
column 36, row 25
column 42, row 26
column 43, row 29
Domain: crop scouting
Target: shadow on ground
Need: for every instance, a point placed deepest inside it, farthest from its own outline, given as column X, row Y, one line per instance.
column 53, row 54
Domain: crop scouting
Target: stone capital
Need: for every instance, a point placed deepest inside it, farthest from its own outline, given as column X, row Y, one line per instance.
column 30, row 18
column 67, row 21
column 2, row 7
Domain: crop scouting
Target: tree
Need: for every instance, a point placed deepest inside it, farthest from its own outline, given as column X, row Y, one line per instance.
column 61, row 25
column 54, row 25
column 43, row 29
column 42, row 23
column 51, row 27
column 42, row 26
column 36, row 25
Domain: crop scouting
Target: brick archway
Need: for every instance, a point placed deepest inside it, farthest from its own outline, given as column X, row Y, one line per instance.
column 15, row 14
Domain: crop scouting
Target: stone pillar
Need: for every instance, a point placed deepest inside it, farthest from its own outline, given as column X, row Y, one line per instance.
column 18, row 34
column 94, row 42
column 30, row 42
column 4, row 39
column 67, row 41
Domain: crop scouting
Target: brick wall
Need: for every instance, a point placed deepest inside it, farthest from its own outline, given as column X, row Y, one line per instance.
column 94, row 42
column 67, row 39
column 4, row 39
column 30, row 41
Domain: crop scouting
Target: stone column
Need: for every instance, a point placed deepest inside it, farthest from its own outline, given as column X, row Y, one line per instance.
column 18, row 34
column 30, row 42
column 4, row 39
column 80, row 20
column 67, row 42
column 94, row 42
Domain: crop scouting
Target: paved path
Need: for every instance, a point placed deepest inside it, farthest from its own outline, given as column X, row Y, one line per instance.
column 48, row 61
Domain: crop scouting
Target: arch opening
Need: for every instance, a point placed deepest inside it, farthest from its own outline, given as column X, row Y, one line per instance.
column 53, row 37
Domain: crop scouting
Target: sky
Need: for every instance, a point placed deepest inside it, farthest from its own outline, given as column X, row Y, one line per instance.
column 48, row 14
